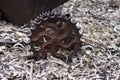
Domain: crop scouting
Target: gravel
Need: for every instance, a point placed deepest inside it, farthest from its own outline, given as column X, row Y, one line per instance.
column 98, row 59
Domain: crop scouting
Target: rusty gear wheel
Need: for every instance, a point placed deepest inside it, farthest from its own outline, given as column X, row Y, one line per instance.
column 54, row 33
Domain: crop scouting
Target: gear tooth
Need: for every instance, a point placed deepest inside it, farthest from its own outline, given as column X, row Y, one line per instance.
column 45, row 18
column 56, row 13
column 52, row 16
column 40, row 18
column 48, row 14
column 25, row 25
column 52, row 12
column 39, row 22
column 43, row 14
column 40, row 15
column 36, row 19
column 67, row 17
column 60, row 16
column 32, row 24
column 32, row 27
column 33, row 21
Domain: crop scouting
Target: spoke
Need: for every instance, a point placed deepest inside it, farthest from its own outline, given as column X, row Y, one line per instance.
column 67, row 32
column 55, row 54
column 54, row 26
column 68, row 45
column 41, row 34
column 44, row 45
column 43, row 49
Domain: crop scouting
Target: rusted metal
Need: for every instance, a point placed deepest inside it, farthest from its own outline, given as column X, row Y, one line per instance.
column 54, row 33
column 22, row 11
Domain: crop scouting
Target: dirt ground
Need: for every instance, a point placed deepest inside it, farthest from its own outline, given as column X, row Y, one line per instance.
column 99, row 58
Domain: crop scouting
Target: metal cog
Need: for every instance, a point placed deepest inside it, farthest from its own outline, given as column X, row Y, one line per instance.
column 53, row 32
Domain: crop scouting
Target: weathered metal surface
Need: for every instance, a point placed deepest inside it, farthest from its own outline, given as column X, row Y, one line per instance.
column 54, row 32
column 21, row 11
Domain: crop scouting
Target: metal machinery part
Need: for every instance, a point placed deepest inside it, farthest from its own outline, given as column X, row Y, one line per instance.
column 53, row 32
